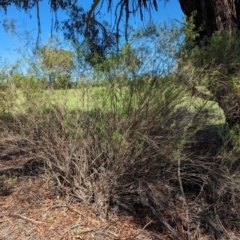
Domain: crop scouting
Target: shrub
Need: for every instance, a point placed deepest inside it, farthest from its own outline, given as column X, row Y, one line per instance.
column 143, row 159
column 141, row 144
column 215, row 65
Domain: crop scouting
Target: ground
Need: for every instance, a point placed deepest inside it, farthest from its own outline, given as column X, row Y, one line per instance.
column 30, row 210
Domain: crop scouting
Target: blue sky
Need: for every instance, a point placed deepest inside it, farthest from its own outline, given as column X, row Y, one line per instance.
column 24, row 21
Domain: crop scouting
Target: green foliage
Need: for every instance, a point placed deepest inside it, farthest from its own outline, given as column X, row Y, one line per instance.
column 18, row 80
column 150, row 51
column 57, row 64
column 9, row 180
column 63, row 82
column 56, row 58
column 221, row 53
column 215, row 64
column 27, row 81
column 190, row 36
column 123, row 63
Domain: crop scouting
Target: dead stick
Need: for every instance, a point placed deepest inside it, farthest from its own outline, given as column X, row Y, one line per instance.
column 140, row 230
column 28, row 219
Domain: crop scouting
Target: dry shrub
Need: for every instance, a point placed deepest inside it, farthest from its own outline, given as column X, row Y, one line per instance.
column 141, row 161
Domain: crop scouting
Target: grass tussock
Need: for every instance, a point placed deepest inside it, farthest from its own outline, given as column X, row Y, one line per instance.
column 139, row 150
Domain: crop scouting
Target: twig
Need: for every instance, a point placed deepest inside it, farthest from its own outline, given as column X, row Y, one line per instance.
column 169, row 228
column 184, row 198
column 196, row 234
column 110, row 234
column 4, row 237
column 139, row 232
column 97, row 230
column 74, row 210
column 69, row 208
column 114, row 234
column 59, row 206
column 72, row 227
column 86, row 230
column 28, row 219
column 77, row 225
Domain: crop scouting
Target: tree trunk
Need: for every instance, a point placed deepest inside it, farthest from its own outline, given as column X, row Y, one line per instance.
column 213, row 15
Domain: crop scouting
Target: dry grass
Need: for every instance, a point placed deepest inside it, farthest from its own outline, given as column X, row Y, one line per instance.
column 166, row 170
column 163, row 178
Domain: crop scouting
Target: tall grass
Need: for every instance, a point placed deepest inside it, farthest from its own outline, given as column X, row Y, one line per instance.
column 145, row 146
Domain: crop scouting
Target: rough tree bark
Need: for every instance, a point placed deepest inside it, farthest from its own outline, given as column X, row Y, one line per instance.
column 213, row 15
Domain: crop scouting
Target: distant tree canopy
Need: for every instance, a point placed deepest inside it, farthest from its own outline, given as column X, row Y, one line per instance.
column 60, row 59
column 58, row 64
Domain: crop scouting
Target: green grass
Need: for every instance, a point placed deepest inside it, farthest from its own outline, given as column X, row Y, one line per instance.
column 211, row 110
column 107, row 98
column 18, row 101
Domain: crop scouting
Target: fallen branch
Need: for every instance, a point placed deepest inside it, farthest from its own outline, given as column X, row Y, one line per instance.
column 28, row 219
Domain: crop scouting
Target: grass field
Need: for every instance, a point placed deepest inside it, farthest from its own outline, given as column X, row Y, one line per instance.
column 104, row 98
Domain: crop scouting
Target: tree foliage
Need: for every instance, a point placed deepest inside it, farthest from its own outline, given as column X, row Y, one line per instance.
column 57, row 64
column 99, row 37
column 59, row 59
column 211, row 16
